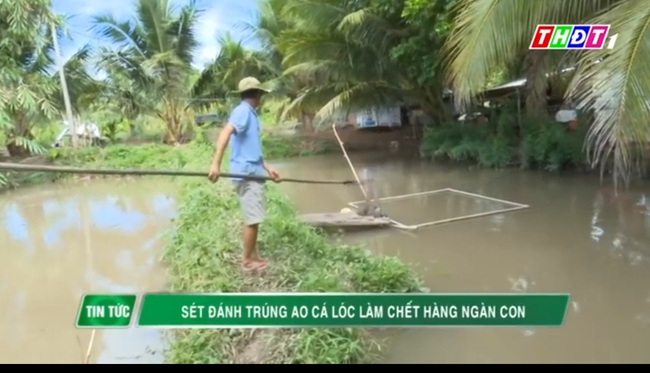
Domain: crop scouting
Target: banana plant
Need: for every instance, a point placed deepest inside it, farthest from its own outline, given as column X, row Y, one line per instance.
column 30, row 93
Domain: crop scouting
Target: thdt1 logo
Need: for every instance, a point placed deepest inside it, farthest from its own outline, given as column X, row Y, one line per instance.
column 572, row 37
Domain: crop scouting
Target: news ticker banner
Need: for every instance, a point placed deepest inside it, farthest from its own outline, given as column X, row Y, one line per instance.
column 300, row 310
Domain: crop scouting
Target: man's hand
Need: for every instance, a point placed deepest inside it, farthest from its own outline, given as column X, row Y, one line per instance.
column 215, row 171
column 273, row 173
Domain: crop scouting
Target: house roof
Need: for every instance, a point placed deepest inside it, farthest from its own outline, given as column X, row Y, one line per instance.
column 512, row 86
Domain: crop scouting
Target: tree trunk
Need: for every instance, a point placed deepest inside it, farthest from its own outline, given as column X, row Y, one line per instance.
column 21, row 129
column 433, row 104
column 536, row 83
column 17, row 150
column 534, row 96
column 307, row 120
column 174, row 124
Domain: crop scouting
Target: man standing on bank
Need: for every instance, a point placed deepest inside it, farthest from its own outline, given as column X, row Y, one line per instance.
column 246, row 158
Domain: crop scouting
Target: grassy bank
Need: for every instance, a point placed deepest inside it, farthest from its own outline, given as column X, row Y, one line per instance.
column 203, row 255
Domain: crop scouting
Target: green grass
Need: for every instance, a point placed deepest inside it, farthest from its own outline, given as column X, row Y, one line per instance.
column 546, row 145
column 203, row 255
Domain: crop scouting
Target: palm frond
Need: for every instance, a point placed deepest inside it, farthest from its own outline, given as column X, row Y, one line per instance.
column 153, row 17
column 184, row 27
column 123, row 34
column 315, row 14
column 615, row 90
column 490, row 34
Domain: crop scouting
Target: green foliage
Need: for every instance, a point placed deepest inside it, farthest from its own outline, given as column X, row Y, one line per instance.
column 552, row 147
column 219, row 80
column 547, row 144
column 315, row 57
column 280, row 146
column 430, row 22
column 111, row 130
column 27, row 91
column 201, row 136
column 322, row 59
column 490, row 36
column 464, row 143
column 203, row 255
column 152, row 55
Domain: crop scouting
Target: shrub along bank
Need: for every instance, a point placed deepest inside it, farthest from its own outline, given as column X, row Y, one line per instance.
column 203, row 255
column 545, row 145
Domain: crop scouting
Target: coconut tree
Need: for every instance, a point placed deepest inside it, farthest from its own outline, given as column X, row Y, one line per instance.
column 234, row 62
column 83, row 89
column 268, row 27
column 30, row 91
column 418, row 53
column 121, row 100
column 154, row 50
column 27, row 95
column 612, row 84
column 26, row 92
column 339, row 52
column 617, row 90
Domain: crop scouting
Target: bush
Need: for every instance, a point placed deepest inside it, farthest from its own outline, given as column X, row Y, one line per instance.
column 547, row 145
column 465, row 143
column 550, row 146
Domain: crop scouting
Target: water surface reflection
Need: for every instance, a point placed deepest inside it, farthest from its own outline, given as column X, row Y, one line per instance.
column 61, row 241
column 576, row 237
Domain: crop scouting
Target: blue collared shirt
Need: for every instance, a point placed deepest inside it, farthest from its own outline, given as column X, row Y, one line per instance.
column 246, row 143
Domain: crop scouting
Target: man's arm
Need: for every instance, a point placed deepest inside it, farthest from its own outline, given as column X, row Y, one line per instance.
column 222, row 144
column 273, row 173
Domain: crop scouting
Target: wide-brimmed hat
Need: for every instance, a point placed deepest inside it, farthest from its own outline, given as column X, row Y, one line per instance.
column 250, row 84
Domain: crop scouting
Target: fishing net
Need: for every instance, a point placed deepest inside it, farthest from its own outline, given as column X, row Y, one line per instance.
column 434, row 207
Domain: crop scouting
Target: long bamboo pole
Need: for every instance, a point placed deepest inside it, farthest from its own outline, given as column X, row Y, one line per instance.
column 89, row 171
column 347, row 158
column 472, row 216
column 474, row 195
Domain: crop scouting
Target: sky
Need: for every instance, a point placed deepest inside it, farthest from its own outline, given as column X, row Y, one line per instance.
column 218, row 17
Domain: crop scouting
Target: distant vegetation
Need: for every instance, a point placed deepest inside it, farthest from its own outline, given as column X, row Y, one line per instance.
column 323, row 57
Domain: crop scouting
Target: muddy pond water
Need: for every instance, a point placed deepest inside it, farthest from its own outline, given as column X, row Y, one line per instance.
column 60, row 241
column 575, row 237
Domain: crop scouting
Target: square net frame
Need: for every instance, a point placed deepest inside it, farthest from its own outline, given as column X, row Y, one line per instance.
column 514, row 206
